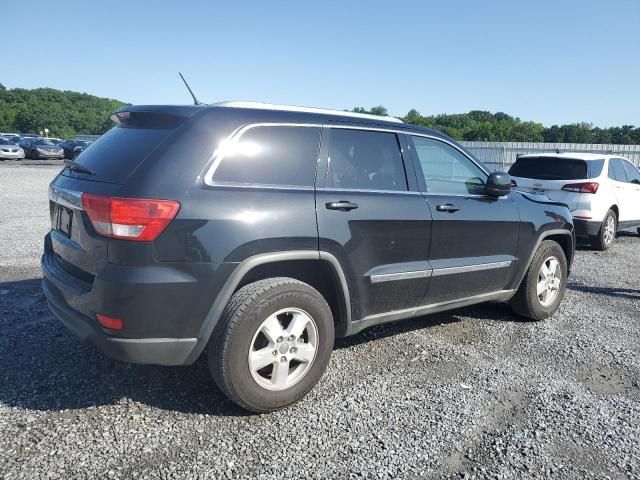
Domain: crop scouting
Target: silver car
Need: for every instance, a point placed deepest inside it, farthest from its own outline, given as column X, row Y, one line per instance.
column 10, row 151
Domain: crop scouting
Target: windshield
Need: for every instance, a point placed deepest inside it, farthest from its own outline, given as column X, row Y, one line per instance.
column 44, row 142
column 549, row 168
column 4, row 141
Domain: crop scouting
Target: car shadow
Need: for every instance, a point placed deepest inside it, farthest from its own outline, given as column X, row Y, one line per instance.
column 44, row 367
column 629, row 293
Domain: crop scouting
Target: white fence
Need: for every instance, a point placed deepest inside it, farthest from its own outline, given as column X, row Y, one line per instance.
column 501, row 155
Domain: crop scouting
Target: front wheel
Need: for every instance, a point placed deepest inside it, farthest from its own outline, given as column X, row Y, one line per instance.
column 544, row 284
column 272, row 344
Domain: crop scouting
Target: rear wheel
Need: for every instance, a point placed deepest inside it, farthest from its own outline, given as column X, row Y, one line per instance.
column 272, row 345
column 544, row 284
column 607, row 233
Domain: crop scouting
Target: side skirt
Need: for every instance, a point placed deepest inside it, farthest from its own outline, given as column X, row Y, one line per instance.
column 379, row 318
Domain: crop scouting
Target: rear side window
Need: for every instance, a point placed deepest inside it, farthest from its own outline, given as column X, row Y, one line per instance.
column 616, row 170
column 117, row 153
column 365, row 160
column 271, row 155
column 633, row 175
column 549, row 168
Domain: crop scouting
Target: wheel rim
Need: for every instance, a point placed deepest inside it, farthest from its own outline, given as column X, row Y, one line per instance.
column 283, row 349
column 549, row 281
column 609, row 229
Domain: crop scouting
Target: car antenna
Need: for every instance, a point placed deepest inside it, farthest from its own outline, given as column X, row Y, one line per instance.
column 195, row 100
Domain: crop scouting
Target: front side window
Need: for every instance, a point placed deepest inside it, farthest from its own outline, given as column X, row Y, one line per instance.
column 365, row 160
column 633, row 175
column 446, row 170
column 271, row 155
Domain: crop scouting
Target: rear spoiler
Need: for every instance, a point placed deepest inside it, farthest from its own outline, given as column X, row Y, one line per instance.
column 153, row 116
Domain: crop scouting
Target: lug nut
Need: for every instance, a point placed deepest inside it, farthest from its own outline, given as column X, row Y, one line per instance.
column 275, row 353
column 293, row 350
column 279, row 340
column 291, row 338
column 300, row 340
column 283, row 359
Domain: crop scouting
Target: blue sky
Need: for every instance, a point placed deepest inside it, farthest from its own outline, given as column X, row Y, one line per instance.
column 553, row 61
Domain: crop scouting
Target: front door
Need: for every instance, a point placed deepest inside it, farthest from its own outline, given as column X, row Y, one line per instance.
column 371, row 221
column 474, row 237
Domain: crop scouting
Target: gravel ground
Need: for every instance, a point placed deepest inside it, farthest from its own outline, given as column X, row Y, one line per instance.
column 475, row 393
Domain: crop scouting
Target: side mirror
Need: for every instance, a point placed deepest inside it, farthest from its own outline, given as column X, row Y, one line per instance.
column 499, row 184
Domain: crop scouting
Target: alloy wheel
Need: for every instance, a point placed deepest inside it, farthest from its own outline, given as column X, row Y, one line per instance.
column 609, row 229
column 549, row 281
column 283, row 349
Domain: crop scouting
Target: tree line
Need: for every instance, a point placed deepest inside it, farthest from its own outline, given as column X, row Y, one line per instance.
column 64, row 113
column 484, row 126
column 67, row 113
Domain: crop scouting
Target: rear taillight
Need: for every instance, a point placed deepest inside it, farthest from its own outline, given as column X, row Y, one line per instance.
column 112, row 323
column 588, row 187
column 129, row 218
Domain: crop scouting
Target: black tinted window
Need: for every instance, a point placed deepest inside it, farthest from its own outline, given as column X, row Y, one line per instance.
column 549, row 168
column 446, row 170
column 119, row 151
column 633, row 175
column 277, row 155
column 362, row 159
column 618, row 170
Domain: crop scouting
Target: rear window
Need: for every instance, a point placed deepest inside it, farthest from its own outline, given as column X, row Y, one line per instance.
column 118, row 152
column 272, row 155
column 549, row 168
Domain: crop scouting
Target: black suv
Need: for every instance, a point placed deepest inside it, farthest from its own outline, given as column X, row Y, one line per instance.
column 258, row 233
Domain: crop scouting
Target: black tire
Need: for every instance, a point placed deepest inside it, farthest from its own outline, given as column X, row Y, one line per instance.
column 232, row 339
column 600, row 241
column 526, row 301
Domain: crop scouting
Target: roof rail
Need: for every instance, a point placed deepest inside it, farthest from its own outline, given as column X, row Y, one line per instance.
column 294, row 108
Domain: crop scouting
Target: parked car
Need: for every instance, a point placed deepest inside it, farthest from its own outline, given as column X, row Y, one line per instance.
column 9, row 150
column 73, row 147
column 37, row 148
column 257, row 233
column 12, row 137
column 601, row 191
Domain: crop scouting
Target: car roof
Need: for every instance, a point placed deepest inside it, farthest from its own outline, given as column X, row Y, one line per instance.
column 572, row 156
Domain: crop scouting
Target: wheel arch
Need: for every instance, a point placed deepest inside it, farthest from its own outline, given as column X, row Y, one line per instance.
column 303, row 265
column 566, row 240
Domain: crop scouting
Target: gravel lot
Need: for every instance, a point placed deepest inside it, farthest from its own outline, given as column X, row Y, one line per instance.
column 475, row 393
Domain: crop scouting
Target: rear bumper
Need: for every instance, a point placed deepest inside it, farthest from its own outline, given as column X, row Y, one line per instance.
column 586, row 228
column 157, row 351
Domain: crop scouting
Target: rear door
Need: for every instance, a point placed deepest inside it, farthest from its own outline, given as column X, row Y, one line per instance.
column 372, row 219
column 474, row 238
column 624, row 191
column 549, row 175
column 633, row 188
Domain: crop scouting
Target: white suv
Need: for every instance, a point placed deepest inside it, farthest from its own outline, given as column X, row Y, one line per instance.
column 602, row 191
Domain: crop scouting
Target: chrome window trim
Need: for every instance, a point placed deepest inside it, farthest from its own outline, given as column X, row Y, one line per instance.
column 216, row 157
column 390, row 277
column 470, row 268
column 65, row 197
column 364, row 190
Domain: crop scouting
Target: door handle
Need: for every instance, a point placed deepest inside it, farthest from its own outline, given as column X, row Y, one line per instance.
column 447, row 207
column 342, row 205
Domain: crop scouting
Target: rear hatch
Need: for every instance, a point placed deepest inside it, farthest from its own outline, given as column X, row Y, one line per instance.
column 550, row 175
column 74, row 249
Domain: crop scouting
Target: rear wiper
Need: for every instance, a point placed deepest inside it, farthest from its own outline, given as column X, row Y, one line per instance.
column 76, row 167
